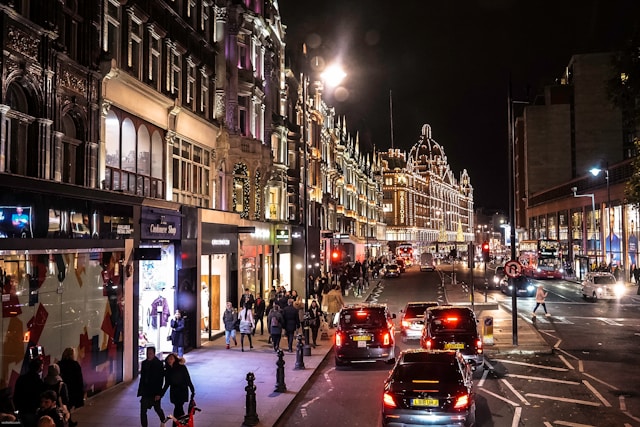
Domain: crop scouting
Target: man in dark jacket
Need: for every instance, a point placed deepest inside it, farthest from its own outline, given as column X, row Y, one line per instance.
column 291, row 322
column 26, row 395
column 150, row 386
column 177, row 334
column 258, row 315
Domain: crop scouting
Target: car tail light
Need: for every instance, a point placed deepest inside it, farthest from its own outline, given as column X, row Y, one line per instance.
column 427, row 344
column 479, row 345
column 386, row 338
column 406, row 323
column 461, row 402
column 388, row 400
column 339, row 339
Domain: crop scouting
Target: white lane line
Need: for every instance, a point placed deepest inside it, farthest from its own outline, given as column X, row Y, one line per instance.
column 604, row 401
column 567, row 423
column 623, row 404
column 563, row 399
column 516, row 417
column 609, row 321
column 566, row 362
column 304, row 405
column 552, row 380
column 513, row 362
column 600, row 381
column 497, row 396
column 514, row 391
column 484, row 377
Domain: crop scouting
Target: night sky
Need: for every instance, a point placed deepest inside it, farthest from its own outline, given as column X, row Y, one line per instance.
column 448, row 64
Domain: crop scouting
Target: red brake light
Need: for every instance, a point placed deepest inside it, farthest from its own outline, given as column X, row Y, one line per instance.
column 361, row 314
column 387, row 399
column 386, row 340
column 427, row 344
column 479, row 345
column 339, row 339
column 406, row 323
column 452, row 319
column 462, row 402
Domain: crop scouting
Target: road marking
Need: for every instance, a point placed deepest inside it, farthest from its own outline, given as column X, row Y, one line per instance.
column 566, row 362
column 563, row 320
column 497, row 396
column 514, row 391
column 551, row 380
column 557, row 344
column 516, row 417
column 627, row 413
column 568, row 354
column 484, row 377
column 600, row 381
column 580, row 365
column 604, row 401
column 551, row 368
column 609, row 321
column 567, row 423
column 547, row 424
column 623, row 404
column 563, row 399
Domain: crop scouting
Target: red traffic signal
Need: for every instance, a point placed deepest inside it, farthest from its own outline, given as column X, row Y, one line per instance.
column 485, row 251
column 485, row 246
column 335, row 255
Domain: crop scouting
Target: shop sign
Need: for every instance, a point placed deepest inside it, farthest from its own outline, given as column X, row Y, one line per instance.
column 160, row 225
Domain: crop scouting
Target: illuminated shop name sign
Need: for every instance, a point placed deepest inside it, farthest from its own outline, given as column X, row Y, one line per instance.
column 163, row 228
column 282, row 234
column 220, row 242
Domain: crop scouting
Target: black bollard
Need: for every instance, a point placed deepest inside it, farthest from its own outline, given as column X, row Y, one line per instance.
column 281, row 387
column 307, row 331
column 300, row 354
column 251, row 416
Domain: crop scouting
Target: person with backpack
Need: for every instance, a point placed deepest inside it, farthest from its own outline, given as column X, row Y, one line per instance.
column 275, row 322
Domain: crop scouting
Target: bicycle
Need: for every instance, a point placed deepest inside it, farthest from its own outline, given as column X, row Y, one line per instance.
column 187, row 419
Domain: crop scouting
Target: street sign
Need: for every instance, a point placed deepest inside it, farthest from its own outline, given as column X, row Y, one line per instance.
column 513, row 268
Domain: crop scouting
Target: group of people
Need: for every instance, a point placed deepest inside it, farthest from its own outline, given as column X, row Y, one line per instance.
column 48, row 401
column 156, row 378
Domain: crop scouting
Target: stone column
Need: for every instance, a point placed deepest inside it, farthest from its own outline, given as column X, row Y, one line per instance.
column 5, row 150
column 45, row 164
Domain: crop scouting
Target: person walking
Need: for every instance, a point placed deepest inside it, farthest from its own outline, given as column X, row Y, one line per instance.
column 177, row 333
column 247, row 299
column 26, row 393
column 229, row 318
column 291, row 322
column 259, row 309
column 53, row 381
column 178, row 380
column 49, row 408
column 540, row 301
column 246, row 325
column 315, row 314
column 275, row 321
column 150, row 387
column 71, row 373
column 335, row 302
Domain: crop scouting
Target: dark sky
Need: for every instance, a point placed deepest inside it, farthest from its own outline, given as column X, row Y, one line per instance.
column 448, row 64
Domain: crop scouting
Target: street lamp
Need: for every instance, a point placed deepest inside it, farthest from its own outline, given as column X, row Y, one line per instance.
column 593, row 217
column 595, row 172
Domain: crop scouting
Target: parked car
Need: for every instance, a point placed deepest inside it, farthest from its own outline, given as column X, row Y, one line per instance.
column 448, row 327
column 522, row 285
column 429, row 387
column 365, row 333
column 391, row 270
column 602, row 285
column 412, row 320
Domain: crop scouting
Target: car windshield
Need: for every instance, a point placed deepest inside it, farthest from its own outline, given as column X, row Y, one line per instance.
column 451, row 323
column 426, row 371
column 604, row 280
column 362, row 319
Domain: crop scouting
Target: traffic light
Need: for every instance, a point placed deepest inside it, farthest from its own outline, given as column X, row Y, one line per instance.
column 335, row 255
column 485, row 251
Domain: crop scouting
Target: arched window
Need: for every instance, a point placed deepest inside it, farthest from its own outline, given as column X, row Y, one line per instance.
column 21, row 147
column 241, row 190
column 144, row 151
column 112, row 140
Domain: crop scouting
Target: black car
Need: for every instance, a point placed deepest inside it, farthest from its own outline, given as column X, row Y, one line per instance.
column 365, row 333
column 412, row 319
column 522, row 284
column 450, row 327
column 429, row 387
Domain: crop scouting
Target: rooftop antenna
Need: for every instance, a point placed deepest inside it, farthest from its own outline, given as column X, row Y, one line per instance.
column 391, row 115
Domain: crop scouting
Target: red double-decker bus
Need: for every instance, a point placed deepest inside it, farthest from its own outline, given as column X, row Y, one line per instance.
column 541, row 259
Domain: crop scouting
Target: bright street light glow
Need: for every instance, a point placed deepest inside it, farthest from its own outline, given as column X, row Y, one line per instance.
column 333, row 75
column 595, row 171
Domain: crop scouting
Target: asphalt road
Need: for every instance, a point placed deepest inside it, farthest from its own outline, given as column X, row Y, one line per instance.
column 591, row 379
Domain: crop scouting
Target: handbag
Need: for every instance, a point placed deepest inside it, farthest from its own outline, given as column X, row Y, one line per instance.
column 169, row 337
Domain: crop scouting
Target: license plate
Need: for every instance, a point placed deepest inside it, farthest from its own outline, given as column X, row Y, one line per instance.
column 362, row 338
column 424, row 402
column 362, row 344
column 454, row 346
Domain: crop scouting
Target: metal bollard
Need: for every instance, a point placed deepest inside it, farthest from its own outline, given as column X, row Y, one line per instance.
column 299, row 353
column 251, row 416
column 281, row 387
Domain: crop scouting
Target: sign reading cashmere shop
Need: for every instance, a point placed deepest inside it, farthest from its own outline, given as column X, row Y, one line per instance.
column 160, row 224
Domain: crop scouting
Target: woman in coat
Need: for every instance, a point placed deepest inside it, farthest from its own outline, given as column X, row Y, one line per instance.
column 246, row 324
column 315, row 315
column 177, row 334
column 335, row 302
column 177, row 378
column 275, row 326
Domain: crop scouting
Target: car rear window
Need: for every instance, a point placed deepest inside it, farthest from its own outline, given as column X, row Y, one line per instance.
column 362, row 319
column 414, row 311
column 604, row 280
column 441, row 372
column 453, row 323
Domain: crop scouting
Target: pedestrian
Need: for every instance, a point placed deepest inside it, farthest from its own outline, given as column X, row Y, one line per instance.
column 48, row 407
column 177, row 333
column 53, row 381
column 71, row 373
column 246, row 325
column 315, row 314
column 335, row 302
column 150, row 387
column 46, row 421
column 229, row 318
column 178, row 380
column 540, row 297
column 247, row 298
column 298, row 304
column 27, row 391
column 259, row 310
column 7, row 410
column 275, row 321
column 291, row 322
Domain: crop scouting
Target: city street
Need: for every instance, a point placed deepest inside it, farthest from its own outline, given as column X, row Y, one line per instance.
column 591, row 379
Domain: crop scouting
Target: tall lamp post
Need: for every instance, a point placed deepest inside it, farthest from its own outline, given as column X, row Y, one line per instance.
column 593, row 216
column 595, row 172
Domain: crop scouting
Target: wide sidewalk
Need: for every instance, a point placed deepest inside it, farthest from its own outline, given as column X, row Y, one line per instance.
column 220, row 375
